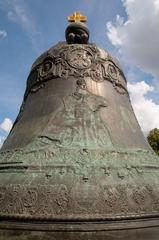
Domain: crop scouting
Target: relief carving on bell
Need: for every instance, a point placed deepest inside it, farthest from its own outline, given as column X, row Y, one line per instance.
column 76, row 163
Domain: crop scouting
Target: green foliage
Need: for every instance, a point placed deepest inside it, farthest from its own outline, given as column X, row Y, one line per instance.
column 153, row 139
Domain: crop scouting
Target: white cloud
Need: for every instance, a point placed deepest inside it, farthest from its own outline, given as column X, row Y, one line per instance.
column 113, row 31
column 20, row 14
column 147, row 112
column 5, row 128
column 156, row 5
column 138, row 37
column 137, row 41
column 6, row 125
column 3, row 34
column 2, row 138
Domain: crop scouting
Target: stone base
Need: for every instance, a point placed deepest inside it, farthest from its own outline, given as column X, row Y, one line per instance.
column 141, row 229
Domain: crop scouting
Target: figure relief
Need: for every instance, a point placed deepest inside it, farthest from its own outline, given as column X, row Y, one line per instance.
column 112, row 71
column 77, row 122
column 46, row 69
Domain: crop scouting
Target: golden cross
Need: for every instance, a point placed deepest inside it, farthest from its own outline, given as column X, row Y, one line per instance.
column 77, row 17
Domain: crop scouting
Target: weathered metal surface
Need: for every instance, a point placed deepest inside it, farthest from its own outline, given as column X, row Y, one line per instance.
column 76, row 153
column 109, row 230
column 76, row 97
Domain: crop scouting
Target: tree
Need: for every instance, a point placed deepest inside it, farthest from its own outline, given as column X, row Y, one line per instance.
column 153, row 139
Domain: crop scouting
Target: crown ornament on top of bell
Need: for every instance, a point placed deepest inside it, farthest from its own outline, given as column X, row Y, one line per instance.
column 76, row 164
column 77, row 31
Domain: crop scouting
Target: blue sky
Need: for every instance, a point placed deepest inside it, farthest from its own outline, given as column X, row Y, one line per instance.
column 30, row 27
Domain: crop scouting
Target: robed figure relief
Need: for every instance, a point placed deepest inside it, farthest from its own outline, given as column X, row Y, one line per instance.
column 77, row 123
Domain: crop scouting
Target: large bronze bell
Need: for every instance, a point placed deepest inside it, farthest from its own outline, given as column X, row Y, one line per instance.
column 76, row 164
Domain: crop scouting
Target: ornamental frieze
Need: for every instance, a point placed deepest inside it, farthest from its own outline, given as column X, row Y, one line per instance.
column 77, row 61
column 51, row 201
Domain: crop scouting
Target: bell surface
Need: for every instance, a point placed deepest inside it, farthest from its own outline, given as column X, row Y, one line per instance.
column 76, row 164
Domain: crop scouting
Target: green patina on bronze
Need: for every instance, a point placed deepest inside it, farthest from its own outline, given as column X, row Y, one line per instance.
column 76, row 152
